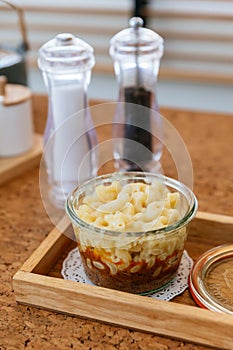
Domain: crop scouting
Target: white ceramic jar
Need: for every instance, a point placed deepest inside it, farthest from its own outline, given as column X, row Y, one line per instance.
column 16, row 124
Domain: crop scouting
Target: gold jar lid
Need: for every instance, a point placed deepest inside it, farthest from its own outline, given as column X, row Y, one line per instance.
column 211, row 279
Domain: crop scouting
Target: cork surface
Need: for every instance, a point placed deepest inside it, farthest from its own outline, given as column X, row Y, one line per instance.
column 24, row 224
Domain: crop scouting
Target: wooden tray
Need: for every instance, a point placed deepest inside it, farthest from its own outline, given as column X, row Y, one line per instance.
column 39, row 283
column 11, row 167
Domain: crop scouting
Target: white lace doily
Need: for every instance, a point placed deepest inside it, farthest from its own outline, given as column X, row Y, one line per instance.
column 73, row 270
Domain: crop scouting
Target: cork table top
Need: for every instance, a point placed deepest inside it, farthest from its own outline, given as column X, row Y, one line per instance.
column 24, row 224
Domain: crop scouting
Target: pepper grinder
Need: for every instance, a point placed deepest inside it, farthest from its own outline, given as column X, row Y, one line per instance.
column 137, row 127
column 69, row 139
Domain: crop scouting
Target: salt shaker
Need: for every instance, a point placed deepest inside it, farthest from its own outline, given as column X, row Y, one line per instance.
column 137, row 127
column 69, row 139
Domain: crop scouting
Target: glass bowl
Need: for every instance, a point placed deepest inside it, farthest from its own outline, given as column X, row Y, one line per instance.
column 131, row 229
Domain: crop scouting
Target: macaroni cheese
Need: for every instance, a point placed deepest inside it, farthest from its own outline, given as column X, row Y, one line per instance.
column 133, row 207
column 127, row 252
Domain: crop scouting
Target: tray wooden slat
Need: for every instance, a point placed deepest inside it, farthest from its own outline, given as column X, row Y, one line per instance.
column 177, row 320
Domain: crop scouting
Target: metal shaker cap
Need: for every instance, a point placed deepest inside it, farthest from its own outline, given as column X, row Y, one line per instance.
column 66, row 53
column 136, row 40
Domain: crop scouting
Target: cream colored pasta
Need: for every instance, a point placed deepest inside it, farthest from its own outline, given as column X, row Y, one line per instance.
column 134, row 207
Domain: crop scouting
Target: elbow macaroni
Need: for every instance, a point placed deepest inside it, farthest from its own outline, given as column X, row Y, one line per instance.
column 133, row 207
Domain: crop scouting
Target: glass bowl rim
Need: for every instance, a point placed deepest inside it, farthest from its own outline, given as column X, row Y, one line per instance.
column 173, row 183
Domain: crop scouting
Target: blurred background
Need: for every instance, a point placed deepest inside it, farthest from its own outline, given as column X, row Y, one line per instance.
column 197, row 67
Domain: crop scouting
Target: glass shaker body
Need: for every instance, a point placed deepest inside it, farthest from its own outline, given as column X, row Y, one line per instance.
column 69, row 137
column 137, row 128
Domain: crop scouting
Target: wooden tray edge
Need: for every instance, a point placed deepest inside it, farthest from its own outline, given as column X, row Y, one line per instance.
column 15, row 166
column 159, row 317
column 225, row 219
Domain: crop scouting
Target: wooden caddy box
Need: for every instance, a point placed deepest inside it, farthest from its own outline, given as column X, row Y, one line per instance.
column 35, row 285
column 11, row 167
